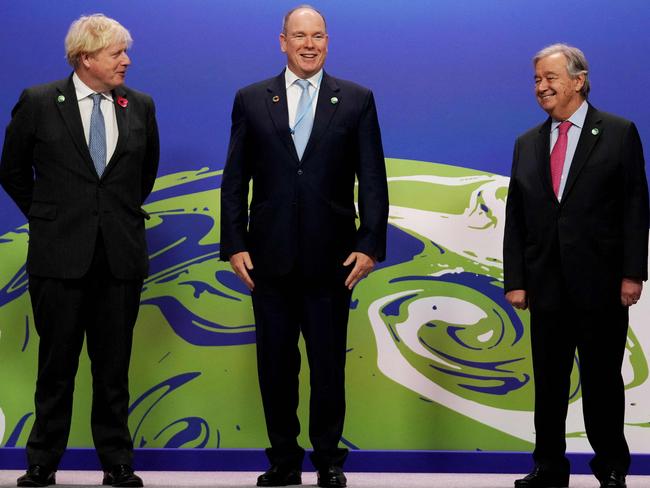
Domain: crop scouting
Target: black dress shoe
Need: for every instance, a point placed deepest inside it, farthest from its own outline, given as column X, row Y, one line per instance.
column 331, row 477
column 279, row 476
column 121, row 475
column 37, row 475
column 615, row 479
column 542, row 478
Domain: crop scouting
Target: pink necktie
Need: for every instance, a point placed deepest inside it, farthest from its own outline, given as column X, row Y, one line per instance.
column 558, row 154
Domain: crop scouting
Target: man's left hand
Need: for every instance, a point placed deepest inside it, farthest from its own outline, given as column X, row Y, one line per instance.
column 363, row 264
column 630, row 291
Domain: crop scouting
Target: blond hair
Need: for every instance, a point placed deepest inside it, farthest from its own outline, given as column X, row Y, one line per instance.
column 92, row 33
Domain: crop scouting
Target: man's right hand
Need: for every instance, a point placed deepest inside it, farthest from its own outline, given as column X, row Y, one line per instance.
column 518, row 299
column 241, row 263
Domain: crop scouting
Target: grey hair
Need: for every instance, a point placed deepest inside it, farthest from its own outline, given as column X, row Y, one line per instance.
column 285, row 19
column 576, row 62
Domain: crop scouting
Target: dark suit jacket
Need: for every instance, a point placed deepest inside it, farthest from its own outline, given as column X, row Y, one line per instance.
column 578, row 250
column 302, row 211
column 47, row 170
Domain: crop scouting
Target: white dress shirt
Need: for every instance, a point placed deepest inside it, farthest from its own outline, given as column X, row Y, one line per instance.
column 108, row 111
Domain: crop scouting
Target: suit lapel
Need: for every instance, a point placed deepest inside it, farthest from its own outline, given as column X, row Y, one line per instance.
column 542, row 149
column 325, row 109
column 122, row 111
column 69, row 110
column 591, row 131
column 276, row 103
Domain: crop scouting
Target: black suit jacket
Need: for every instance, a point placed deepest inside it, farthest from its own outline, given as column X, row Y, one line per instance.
column 578, row 250
column 302, row 211
column 47, row 170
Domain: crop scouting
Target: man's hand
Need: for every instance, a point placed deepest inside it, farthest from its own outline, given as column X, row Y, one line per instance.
column 241, row 263
column 630, row 291
column 363, row 264
column 518, row 299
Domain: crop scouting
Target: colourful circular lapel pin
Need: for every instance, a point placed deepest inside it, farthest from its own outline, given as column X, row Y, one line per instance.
column 334, row 100
column 60, row 99
column 595, row 131
column 275, row 99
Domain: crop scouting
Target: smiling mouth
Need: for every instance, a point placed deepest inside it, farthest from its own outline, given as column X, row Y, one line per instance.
column 308, row 56
column 546, row 96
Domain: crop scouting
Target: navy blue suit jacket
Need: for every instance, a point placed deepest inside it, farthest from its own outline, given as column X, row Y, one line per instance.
column 579, row 249
column 302, row 212
column 47, row 170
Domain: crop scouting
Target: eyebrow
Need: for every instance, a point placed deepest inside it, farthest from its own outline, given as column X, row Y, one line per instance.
column 300, row 32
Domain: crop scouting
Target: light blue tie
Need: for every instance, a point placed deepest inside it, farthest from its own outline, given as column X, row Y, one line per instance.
column 304, row 119
column 97, row 139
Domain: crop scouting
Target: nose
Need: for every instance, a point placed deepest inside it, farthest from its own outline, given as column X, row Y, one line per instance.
column 309, row 42
column 125, row 59
column 542, row 85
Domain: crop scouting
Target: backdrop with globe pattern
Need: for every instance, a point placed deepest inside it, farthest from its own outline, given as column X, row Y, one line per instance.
column 434, row 351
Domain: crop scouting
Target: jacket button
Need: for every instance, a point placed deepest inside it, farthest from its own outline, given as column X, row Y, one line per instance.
column 299, row 172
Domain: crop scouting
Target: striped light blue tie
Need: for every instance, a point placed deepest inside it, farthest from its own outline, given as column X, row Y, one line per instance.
column 304, row 119
column 97, row 139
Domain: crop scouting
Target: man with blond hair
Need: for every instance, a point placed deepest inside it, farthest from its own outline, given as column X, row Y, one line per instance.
column 80, row 157
column 303, row 138
column 576, row 254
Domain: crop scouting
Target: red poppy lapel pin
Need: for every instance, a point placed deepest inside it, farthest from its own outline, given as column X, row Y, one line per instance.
column 122, row 102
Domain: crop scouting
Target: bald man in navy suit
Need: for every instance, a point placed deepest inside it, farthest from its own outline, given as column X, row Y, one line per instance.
column 301, row 252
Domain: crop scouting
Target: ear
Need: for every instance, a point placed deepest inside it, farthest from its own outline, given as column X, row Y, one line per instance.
column 580, row 82
column 283, row 43
column 85, row 59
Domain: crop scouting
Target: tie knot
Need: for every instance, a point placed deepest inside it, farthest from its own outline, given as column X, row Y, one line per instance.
column 564, row 127
column 303, row 84
column 97, row 97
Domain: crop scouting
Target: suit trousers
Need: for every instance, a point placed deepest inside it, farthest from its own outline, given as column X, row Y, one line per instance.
column 104, row 310
column 319, row 308
column 599, row 335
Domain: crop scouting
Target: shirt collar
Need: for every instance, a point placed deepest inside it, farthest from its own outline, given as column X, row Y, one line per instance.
column 290, row 78
column 577, row 119
column 84, row 91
